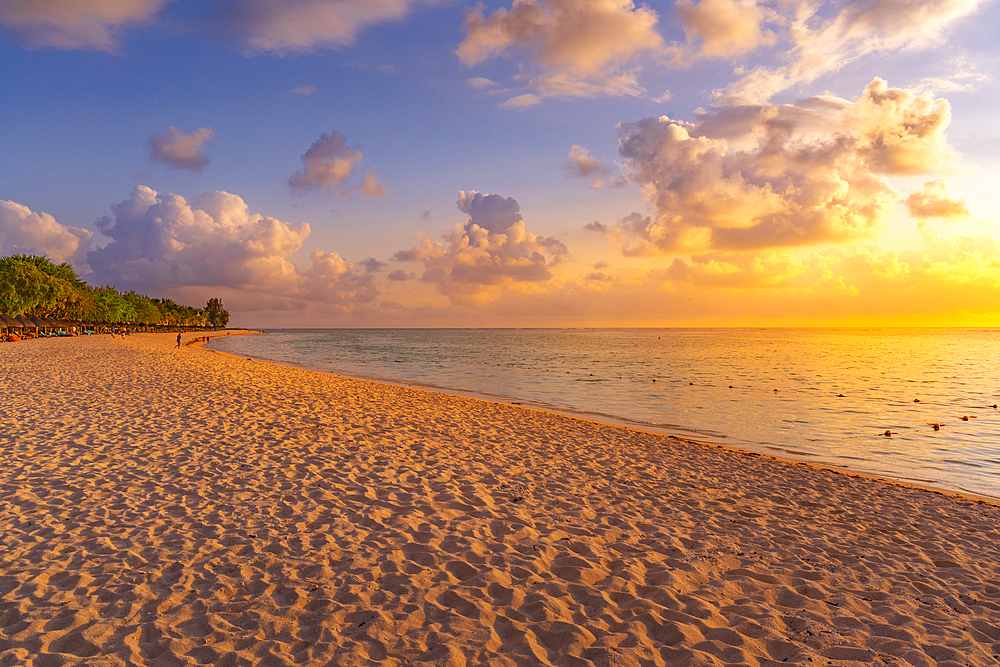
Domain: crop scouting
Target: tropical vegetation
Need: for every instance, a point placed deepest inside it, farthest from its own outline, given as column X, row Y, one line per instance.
column 34, row 286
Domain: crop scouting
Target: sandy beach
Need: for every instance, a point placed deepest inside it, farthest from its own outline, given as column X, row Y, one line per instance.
column 185, row 507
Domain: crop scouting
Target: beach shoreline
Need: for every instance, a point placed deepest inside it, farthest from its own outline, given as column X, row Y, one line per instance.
column 162, row 506
column 609, row 420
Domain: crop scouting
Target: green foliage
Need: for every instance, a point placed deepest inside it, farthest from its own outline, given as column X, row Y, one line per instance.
column 33, row 285
column 146, row 311
column 110, row 306
column 174, row 313
column 23, row 287
column 217, row 315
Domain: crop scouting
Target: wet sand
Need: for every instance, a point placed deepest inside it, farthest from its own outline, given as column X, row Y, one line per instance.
column 184, row 507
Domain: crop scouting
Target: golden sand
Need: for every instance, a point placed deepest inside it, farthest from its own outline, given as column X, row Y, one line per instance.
column 183, row 507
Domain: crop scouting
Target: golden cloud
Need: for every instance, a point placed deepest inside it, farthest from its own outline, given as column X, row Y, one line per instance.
column 764, row 176
column 93, row 24
column 489, row 253
column 579, row 48
column 934, row 200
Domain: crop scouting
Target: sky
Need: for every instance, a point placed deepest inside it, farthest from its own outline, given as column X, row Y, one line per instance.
column 535, row 163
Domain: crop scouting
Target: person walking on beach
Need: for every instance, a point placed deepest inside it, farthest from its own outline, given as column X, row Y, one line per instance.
column 178, row 341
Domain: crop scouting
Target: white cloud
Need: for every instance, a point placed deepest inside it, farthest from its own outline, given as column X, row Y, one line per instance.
column 725, row 28
column 330, row 162
column 303, row 90
column 491, row 252
column 304, row 25
column 24, row 232
column 181, row 150
column 74, row 24
column 576, row 48
column 163, row 241
column 823, row 38
column 962, row 78
column 760, row 176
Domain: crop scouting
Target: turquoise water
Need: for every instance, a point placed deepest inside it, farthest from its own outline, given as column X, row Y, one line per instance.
column 715, row 385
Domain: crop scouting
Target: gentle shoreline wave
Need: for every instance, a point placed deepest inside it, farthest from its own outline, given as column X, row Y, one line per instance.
column 804, row 419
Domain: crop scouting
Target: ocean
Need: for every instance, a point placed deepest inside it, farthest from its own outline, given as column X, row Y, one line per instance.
column 821, row 395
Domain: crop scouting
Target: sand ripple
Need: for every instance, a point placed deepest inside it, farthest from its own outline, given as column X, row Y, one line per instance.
column 162, row 507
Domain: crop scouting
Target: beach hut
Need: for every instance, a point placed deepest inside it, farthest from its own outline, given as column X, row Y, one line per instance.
column 38, row 323
column 12, row 326
column 26, row 323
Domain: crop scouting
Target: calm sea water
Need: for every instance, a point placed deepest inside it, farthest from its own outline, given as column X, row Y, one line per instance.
column 714, row 385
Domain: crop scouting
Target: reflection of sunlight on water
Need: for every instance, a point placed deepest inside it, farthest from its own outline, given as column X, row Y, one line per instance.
column 820, row 395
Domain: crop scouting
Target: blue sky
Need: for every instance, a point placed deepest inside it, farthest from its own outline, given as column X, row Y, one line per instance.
column 810, row 164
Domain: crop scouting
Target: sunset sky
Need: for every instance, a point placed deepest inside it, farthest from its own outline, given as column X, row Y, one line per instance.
column 542, row 163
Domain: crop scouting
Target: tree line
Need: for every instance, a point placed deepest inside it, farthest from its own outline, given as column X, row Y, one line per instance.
column 32, row 285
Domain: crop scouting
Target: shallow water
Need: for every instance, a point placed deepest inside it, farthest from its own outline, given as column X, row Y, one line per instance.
column 714, row 384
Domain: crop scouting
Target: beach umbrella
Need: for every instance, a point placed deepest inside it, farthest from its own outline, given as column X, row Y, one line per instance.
column 25, row 322
column 38, row 323
column 9, row 322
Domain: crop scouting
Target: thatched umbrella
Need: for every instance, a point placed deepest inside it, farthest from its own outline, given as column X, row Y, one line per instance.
column 26, row 323
column 38, row 323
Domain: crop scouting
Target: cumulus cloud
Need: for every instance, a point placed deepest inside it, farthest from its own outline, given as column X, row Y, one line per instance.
column 303, row 25
column 74, row 24
column 597, row 226
column 725, row 28
column 330, row 162
column 757, row 176
column 934, row 200
column 371, row 186
column 398, row 275
column 579, row 162
column 160, row 241
column 24, row 232
column 181, row 150
column 576, row 48
column 822, row 38
column 491, row 250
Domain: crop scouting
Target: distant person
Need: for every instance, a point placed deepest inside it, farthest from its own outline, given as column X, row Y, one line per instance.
column 178, row 341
